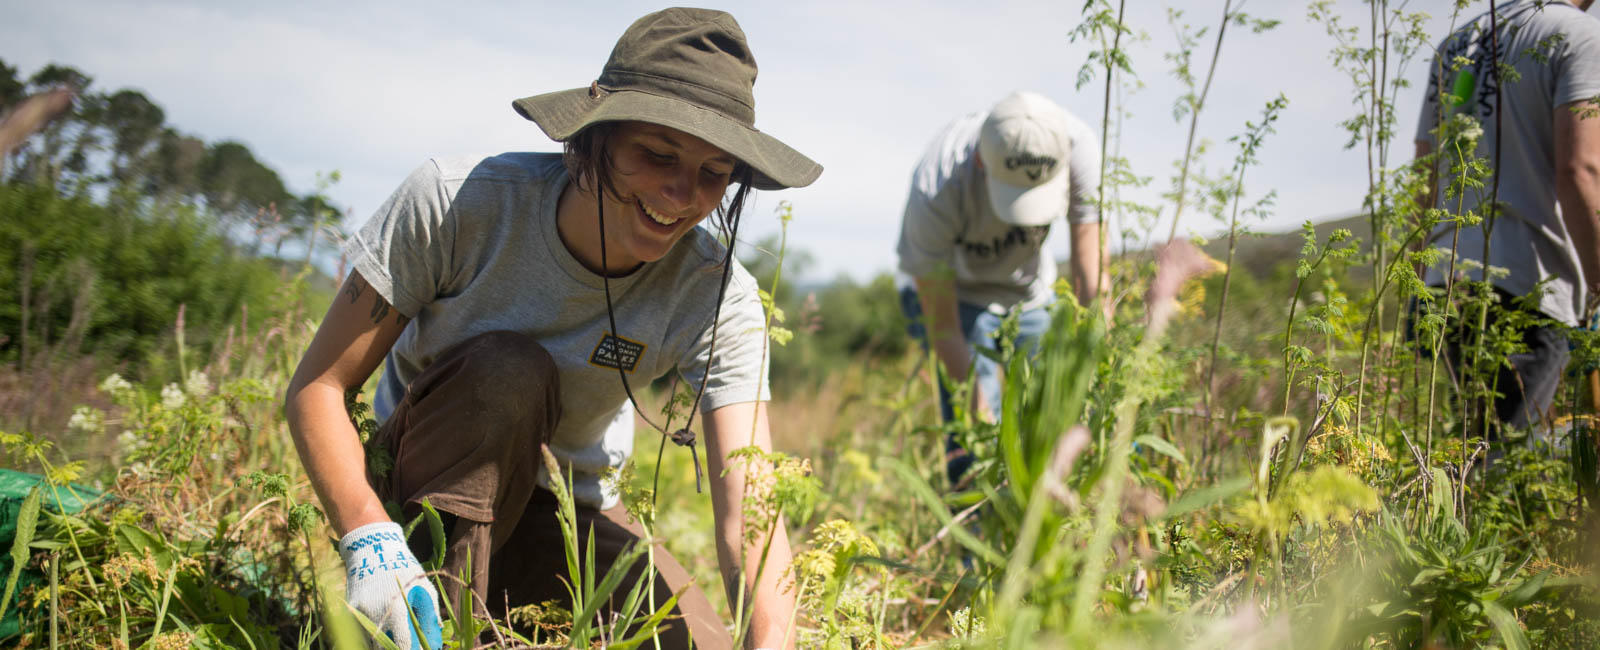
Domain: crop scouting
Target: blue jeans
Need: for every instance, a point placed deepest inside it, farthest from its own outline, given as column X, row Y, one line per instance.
column 980, row 327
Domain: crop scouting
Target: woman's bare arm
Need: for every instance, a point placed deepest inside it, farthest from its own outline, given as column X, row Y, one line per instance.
column 356, row 333
column 771, row 604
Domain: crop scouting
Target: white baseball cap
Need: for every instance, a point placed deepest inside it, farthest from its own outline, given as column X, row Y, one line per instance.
column 1024, row 147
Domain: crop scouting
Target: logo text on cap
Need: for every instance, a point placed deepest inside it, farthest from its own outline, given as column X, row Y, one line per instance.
column 1041, row 164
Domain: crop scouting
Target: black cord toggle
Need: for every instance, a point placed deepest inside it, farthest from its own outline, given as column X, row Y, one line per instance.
column 683, row 437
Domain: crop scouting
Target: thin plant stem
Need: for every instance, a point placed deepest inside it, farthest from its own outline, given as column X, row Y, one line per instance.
column 1105, row 132
column 1227, row 275
column 1194, row 121
column 1490, row 216
column 1288, row 330
column 785, row 214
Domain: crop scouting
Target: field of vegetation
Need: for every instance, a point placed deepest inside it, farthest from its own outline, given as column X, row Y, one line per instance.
column 1255, row 451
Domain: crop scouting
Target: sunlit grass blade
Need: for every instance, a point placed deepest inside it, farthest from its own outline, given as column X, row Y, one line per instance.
column 924, row 493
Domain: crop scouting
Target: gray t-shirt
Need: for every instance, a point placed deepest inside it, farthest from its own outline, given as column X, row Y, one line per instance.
column 949, row 222
column 469, row 245
column 1555, row 48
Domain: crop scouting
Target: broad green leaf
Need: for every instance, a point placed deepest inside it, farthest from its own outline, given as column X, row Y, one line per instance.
column 436, row 530
column 1161, row 446
column 137, row 541
column 27, row 522
column 1426, row 575
column 1506, row 625
column 1206, row 496
column 1524, row 593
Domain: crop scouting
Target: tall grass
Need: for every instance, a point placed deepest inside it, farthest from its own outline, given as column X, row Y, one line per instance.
column 1231, row 460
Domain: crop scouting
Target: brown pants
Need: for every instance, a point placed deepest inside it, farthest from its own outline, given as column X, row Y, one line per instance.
column 467, row 437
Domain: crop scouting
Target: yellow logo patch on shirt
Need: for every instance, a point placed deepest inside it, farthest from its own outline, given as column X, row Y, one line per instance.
column 616, row 352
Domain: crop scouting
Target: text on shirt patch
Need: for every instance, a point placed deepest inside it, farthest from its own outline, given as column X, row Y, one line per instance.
column 616, row 352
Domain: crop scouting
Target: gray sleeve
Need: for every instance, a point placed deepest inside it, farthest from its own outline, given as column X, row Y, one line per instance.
column 1083, row 169
column 404, row 249
column 1577, row 66
column 739, row 361
column 928, row 230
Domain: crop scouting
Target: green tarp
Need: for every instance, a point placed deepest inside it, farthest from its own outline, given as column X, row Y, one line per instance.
column 14, row 487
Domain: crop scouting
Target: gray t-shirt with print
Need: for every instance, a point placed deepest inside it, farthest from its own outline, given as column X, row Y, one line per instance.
column 1555, row 50
column 469, row 245
column 949, row 222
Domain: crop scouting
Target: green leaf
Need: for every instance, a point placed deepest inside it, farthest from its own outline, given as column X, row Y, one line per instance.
column 1506, row 624
column 1426, row 575
column 602, row 592
column 137, row 541
column 1443, row 499
column 27, row 522
column 436, row 530
column 1206, row 496
column 1161, row 446
column 920, row 489
column 1524, row 593
column 647, row 629
column 780, row 335
column 373, row 634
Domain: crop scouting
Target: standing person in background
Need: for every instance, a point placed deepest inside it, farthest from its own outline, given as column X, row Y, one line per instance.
column 972, row 240
column 513, row 299
column 1548, row 187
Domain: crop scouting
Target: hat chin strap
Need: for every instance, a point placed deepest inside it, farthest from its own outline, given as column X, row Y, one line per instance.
column 683, row 436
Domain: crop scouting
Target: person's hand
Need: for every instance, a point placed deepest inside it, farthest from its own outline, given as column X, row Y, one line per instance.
column 385, row 583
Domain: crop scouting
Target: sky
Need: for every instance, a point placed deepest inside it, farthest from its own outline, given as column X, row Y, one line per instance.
column 373, row 89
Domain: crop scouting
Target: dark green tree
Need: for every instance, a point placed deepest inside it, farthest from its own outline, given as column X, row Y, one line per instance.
column 135, row 123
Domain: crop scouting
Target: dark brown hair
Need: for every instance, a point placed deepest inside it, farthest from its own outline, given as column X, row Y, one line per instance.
column 587, row 155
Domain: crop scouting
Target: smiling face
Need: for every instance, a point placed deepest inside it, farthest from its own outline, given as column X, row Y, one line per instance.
column 665, row 181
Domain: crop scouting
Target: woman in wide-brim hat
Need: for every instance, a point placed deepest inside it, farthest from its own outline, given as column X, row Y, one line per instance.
column 516, row 300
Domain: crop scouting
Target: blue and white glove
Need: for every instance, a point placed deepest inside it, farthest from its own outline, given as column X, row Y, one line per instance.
column 385, row 583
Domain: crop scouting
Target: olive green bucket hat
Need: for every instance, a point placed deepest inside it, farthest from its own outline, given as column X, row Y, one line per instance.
column 688, row 69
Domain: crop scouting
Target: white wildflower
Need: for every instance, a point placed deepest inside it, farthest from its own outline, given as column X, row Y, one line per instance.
column 964, row 624
column 172, row 396
column 197, row 384
column 86, row 421
column 128, row 443
column 115, row 385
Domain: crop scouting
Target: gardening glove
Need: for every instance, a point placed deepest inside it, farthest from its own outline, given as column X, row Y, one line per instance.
column 385, row 583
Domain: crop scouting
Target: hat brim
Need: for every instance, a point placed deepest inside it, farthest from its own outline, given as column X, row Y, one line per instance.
column 1029, row 206
column 562, row 114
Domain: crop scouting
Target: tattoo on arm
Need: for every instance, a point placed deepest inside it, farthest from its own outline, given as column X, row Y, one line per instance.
column 380, row 307
column 354, row 287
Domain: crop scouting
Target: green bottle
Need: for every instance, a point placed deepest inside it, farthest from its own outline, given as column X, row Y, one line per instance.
column 1465, row 86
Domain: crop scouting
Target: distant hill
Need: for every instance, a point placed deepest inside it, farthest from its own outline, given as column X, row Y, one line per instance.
column 1261, row 253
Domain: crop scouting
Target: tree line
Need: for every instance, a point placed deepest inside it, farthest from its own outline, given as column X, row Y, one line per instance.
column 112, row 220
